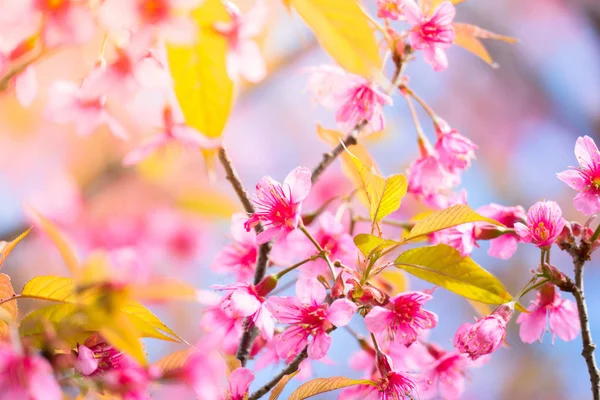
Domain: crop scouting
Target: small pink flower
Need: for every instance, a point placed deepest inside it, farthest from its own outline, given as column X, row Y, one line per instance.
column 393, row 384
column 277, row 205
column 239, row 383
column 96, row 357
column 170, row 18
column 503, row 247
column 204, row 371
column 462, row 238
column 240, row 256
column 445, row 376
column 485, row 336
column 561, row 314
column 585, row 179
column 224, row 326
column 68, row 103
column 172, row 133
column 391, row 9
column 65, row 21
column 432, row 31
column 244, row 57
column 428, row 177
column 403, row 318
column 244, row 300
column 454, row 150
column 544, row 224
column 26, row 376
column 309, row 316
column 355, row 98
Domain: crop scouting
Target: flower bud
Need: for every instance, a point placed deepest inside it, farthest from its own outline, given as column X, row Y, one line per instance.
column 486, row 335
column 267, row 285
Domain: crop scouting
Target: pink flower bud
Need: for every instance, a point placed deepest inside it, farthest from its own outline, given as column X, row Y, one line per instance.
column 486, row 335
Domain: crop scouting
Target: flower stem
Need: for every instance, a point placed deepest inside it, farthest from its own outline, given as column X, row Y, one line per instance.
column 322, row 252
column 281, row 273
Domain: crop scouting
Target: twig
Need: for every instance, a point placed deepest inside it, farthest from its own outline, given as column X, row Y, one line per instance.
column 234, row 179
column 291, row 368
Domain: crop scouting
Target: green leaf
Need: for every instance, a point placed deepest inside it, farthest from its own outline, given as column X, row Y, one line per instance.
column 368, row 244
column 452, row 216
column 443, row 265
column 322, row 385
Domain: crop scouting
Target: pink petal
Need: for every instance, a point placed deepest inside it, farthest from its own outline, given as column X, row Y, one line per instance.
column 532, row 325
column 254, row 19
column 239, row 382
column 86, row 362
column 412, row 12
column 238, row 232
column 268, row 235
column 144, row 150
column 26, row 87
column 587, row 202
column 265, row 323
column 573, row 178
column 564, row 320
column 180, row 30
column 503, row 247
column 191, row 137
column 523, row 231
column 310, row 290
column 378, row 319
column 341, row 311
column 586, row 152
column 291, row 342
column 286, row 309
column 444, row 13
column 115, row 126
column 252, row 64
column 319, row 346
column 299, row 183
column 436, row 57
column 243, row 303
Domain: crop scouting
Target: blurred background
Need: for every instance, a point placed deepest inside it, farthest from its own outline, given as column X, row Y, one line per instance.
column 525, row 117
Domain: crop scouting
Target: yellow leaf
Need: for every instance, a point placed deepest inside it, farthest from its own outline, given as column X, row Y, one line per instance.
column 343, row 30
column 467, row 36
column 137, row 310
column 51, row 288
column 332, row 138
column 322, row 385
column 70, row 327
column 202, row 85
column 232, row 363
column 124, row 336
column 64, row 247
column 452, row 216
column 276, row 392
column 444, row 266
column 208, row 202
column 173, row 361
column 9, row 309
column 7, row 247
column 367, row 244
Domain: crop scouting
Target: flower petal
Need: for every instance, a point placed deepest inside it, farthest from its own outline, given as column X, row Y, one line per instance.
column 341, row 311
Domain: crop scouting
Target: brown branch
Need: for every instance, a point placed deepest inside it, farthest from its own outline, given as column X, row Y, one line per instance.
column 233, row 177
column 291, row 368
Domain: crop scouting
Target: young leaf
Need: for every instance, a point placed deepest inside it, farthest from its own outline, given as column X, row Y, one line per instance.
column 323, row 385
column 443, row 265
column 452, row 216
column 137, row 310
column 202, row 85
column 281, row 385
column 467, row 37
column 173, row 361
column 367, row 244
column 9, row 309
column 7, row 247
column 343, row 30
column 51, row 288
column 122, row 334
column 35, row 324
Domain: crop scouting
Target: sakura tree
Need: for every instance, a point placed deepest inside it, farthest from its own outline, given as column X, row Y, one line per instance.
column 310, row 258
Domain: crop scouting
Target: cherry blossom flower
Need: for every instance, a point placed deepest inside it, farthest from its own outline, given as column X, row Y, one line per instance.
column 403, row 318
column 277, row 205
column 130, row 380
column 432, row 31
column 585, row 179
column 244, row 57
column 485, row 336
column 172, row 133
column 68, row 103
column 239, row 383
column 26, row 376
column 454, row 150
column 393, row 384
column 246, row 300
column 445, row 376
column 65, row 21
column 391, row 9
column 223, row 325
column 428, row 177
column 561, row 314
column 240, row 256
column 354, row 98
column 544, row 224
column 504, row 246
column 309, row 316
column 170, row 18
column 96, row 356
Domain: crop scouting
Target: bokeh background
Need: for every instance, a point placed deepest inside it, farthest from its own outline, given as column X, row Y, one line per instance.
column 525, row 117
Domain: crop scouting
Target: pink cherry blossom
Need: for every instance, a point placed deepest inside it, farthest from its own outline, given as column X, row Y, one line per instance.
column 393, row 384
column 432, row 31
column 239, row 383
column 223, row 325
column 485, row 336
column 454, row 150
column 277, row 205
column 65, row 21
column 205, row 371
column 503, row 247
column 170, row 18
column 68, row 103
column 561, row 314
column 445, row 376
column 309, row 316
column 585, row 179
column 461, row 237
column 544, row 224
column 354, row 98
column 244, row 300
column 26, row 376
column 428, row 177
column 173, row 132
column 244, row 57
column 96, row 356
column 131, row 381
column 403, row 318
column 240, row 256
column 391, row 9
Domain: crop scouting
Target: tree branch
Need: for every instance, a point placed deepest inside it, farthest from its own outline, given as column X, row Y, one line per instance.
column 291, row 368
column 232, row 176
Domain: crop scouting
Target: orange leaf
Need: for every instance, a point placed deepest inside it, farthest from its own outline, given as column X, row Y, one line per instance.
column 322, row 385
column 281, row 385
column 7, row 247
column 467, row 36
column 9, row 309
column 173, row 361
